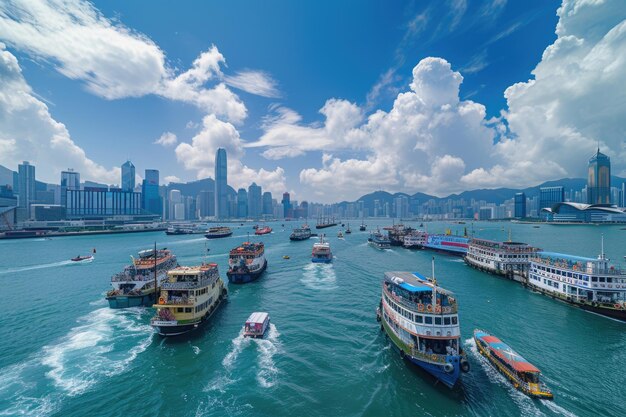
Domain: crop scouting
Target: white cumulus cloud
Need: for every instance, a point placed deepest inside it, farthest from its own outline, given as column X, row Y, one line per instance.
column 166, row 139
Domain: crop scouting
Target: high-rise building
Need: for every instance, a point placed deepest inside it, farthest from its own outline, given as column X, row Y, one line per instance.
column 286, row 205
column 255, row 201
column 151, row 200
column 520, row 205
column 623, row 202
column 268, row 207
column 175, row 198
column 599, row 179
column 128, row 176
column 242, row 203
column 221, row 184
column 26, row 184
column 549, row 196
column 95, row 202
column 206, row 203
column 70, row 180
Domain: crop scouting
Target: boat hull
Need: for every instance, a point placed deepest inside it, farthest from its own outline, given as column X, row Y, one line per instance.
column 127, row 301
column 299, row 237
column 179, row 329
column 218, row 236
column 321, row 260
column 245, row 277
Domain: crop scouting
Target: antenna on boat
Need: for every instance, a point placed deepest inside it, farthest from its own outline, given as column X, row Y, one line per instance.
column 602, row 246
column 509, row 234
column 433, row 270
column 155, row 273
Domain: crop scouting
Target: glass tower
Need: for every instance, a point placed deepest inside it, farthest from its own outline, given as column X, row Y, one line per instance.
column 128, row 176
column 70, row 180
column 599, row 179
column 221, row 184
column 26, row 184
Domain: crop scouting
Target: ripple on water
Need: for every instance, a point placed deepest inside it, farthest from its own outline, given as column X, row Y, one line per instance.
column 317, row 276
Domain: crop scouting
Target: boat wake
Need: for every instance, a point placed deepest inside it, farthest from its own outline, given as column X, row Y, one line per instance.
column 33, row 267
column 96, row 349
column 267, row 348
column 317, row 276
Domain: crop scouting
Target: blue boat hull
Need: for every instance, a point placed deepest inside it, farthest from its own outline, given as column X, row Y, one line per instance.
column 244, row 278
column 321, row 261
column 449, row 379
column 127, row 301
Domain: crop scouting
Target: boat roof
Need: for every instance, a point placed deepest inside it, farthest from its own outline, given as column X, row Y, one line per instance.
column 257, row 317
column 504, row 352
column 191, row 270
column 413, row 282
column 573, row 258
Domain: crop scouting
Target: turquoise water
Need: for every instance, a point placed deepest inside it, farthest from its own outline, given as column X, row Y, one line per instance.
column 63, row 352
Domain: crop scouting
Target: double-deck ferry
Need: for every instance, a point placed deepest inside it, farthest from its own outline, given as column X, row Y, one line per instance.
column 591, row 284
column 188, row 298
column 301, row 233
column 396, row 234
column 523, row 375
column 509, row 259
column 218, row 232
column 421, row 320
column 378, row 240
column 448, row 243
column 263, row 230
column 416, row 239
column 135, row 285
column 321, row 252
column 246, row 262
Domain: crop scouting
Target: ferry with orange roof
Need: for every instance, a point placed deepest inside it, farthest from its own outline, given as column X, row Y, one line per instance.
column 522, row 374
column 246, row 262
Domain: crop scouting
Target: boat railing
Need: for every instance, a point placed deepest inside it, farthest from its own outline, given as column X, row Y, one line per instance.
column 429, row 357
column 120, row 277
column 580, row 266
column 181, row 285
column 180, row 300
column 420, row 307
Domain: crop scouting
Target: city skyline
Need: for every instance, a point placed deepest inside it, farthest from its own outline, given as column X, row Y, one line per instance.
column 439, row 111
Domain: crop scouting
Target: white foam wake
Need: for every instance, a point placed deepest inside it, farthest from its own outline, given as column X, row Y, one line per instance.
column 318, row 276
column 268, row 348
column 33, row 267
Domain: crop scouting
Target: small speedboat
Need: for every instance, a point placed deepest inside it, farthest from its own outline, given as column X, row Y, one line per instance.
column 340, row 235
column 257, row 324
column 82, row 259
column 286, row 257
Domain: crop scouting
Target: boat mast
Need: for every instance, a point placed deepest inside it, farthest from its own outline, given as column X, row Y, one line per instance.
column 155, row 272
column 434, row 302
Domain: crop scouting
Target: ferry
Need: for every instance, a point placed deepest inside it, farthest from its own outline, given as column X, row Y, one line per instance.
column 188, row 298
column 218, row 232
column 509, row 259
column 523, row 375
column 362, row 227
column 592, row 284
column 321, row 252
column 257, row 324
column 246, row 263
column 135, row 285
column 416, row 239
column 378, row 240
column 302, row 233
column 179, row 230
column 448, row 243
column 421, row 320
column 323, row 223
column 397, row 233
column 263, row 230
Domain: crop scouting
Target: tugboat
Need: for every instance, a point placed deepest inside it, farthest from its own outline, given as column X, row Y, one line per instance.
column 246, row 263
column 321, row 252
column 256, row 326
column 263, row 230
column 301, row 233
column 218, row 232
column 378, row 240
column 523, row 375
column 188, row 299
column 421, row 321
column 138, row 283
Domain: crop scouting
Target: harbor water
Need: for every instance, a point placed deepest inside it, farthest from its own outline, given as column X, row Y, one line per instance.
column 63, row 352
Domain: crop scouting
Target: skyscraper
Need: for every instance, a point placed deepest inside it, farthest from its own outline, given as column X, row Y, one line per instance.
column 242, row 203
column 286, row 205
column 255, row 201
column 70, row 180
column 520, row 205
column 26, row 184
column 206, row 203
column 549, row 196
column 268, row 208
column 128, row 176
column 221, row 184
column 151, row 200
column 176, row 198
column 599, row 179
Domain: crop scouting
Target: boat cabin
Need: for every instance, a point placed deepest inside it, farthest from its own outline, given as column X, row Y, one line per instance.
column 256, row 325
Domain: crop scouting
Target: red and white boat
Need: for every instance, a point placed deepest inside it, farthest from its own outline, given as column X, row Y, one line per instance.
column 257, row 324
column 263, row 230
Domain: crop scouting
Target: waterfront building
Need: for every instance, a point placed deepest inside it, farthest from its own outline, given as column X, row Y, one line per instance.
column 151, row 199
column 47, row 212
column 26, row 184
column 268, row 206
column 7, row 198
column 599, row 179
column 584, row 213
column 520, row 205
column 175, row 197
column 70, row 180
column 242, row 203
column 128, row 176
column 94, row 202
column 255, row 201
column 221, row 184
column 206, row 203
column 190, row 208
column 485, row 213
column 549, row 196
column 286, row 205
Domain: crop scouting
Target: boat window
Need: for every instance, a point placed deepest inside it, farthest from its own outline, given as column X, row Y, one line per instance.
column 438, row 320
column 428, row 320
column 419, row 319
column 187, row 309
column 446, row 320
column 601, row 279
column 609, row 279
column 594, row 279
column 454, row 320
column 179, row 310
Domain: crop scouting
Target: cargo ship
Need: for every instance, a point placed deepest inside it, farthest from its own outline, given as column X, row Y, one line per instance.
column 188, row 299
column 246, row 263
column 421, row 320
column 524, row 376
column 139, row 282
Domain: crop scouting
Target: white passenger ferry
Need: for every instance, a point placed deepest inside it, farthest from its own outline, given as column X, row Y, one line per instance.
column 591, row 284
column 416, row 239
column 508, row 259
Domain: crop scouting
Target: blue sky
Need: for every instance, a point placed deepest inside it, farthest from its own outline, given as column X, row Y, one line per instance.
column 358, row 56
